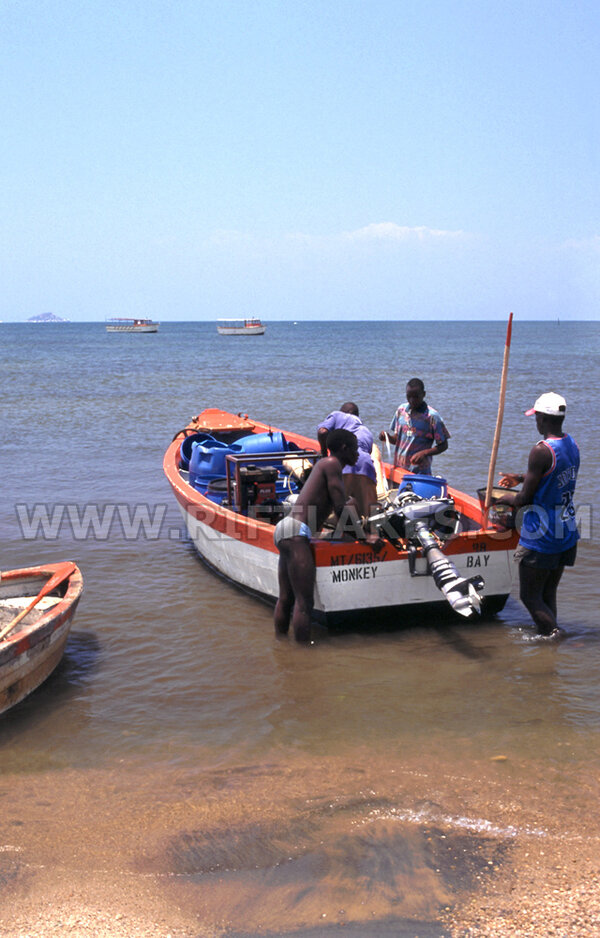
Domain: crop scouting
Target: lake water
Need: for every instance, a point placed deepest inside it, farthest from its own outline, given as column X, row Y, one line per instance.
column 262, row 786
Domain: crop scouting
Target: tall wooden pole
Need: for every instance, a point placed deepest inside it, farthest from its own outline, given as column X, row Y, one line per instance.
column 496, row 443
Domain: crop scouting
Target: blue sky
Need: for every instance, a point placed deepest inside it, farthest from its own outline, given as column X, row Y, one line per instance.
column 340, row 159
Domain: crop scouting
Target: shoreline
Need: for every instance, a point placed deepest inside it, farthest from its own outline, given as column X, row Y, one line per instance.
column 279, row 850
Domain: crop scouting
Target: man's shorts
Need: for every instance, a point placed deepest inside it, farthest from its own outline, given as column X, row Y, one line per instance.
column 290, row 527
column 535, row 558
column 364, row 466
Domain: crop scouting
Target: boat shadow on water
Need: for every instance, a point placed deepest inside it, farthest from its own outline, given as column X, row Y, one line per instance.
column 455, row 634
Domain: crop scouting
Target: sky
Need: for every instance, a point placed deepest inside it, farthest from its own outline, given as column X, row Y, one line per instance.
column 300, row 159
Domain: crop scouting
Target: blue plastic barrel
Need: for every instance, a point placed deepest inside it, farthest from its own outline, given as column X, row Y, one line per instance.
column 185, row 450
column 207, row 461
column 216, row 490
column 263, row 443
column 425, row 486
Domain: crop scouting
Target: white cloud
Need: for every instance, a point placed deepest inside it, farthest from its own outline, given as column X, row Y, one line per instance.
column 387, row 232
column 390, row 231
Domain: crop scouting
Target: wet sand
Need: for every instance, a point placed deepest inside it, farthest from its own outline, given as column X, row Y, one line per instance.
column 298, row 849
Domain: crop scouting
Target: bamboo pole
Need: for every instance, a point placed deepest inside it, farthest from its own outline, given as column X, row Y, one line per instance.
column 496, row 443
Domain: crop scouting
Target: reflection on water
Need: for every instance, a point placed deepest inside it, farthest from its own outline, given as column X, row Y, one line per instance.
column 373, row 772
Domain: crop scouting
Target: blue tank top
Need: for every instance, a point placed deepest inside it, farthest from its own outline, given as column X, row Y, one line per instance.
column 549, row 523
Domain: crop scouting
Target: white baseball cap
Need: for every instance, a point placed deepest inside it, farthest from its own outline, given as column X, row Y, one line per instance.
column 552, row 404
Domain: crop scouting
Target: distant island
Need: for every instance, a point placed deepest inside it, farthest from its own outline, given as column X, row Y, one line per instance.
column 46, row 317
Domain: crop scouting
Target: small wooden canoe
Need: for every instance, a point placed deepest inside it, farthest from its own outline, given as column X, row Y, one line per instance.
column 32, row 648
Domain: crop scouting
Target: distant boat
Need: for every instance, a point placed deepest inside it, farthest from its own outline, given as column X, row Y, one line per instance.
column 240, row 327
column 32, row 646
column 131, row 325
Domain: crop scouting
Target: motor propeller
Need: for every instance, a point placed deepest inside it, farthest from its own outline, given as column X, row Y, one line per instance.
column 422, row 522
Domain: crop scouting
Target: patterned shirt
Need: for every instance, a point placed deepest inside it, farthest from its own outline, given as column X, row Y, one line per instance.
column 416, row 430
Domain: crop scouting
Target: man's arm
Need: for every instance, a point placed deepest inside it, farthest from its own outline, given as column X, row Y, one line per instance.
column 322, row 438
column 540, row 461
column 393, row 432
column 433, row 451
column 335, row 485
column 340, row 503
column 439, row 435
column 508, row 480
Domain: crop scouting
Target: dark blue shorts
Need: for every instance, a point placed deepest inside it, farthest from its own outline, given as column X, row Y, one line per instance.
column 535, row 558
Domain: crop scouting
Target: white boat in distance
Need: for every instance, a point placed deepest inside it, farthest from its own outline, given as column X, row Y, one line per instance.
column 131, row 325
column 240, row 327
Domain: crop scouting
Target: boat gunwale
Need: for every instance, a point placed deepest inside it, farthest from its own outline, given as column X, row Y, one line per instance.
column 28, row 635
column 233, row 523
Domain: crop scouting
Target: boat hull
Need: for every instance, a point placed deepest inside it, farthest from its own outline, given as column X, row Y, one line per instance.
column 31, row 652
column 351, row 578
column 152, row 328
column 349, row 585
column 240, row 327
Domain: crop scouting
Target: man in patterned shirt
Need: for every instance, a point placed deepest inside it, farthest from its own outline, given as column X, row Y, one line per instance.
column 417, row 430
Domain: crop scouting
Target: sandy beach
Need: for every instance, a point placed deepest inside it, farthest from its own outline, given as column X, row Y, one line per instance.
column 270, row 851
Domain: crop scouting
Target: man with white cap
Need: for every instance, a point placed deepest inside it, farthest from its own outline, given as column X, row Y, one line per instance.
column 549, row 534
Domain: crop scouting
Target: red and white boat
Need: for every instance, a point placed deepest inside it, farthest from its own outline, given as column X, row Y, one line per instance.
column 37, row 605
column 252, row 326
column 126, row 324
column 234, row 477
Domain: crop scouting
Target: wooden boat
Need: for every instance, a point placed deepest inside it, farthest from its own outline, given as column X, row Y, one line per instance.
column 240, row 327
column 31, row 649
column 131, row 325
column 233, row 478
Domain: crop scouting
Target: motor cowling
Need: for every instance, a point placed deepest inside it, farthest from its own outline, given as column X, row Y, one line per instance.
column 399, row 521
column 424, row 523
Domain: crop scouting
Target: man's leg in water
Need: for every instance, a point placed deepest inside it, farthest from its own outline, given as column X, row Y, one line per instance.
column 538, row 595
column 550, row 589
column 300, row 572
column 285, row 602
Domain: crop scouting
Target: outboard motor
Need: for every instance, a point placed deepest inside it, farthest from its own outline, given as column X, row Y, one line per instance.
column 423, row 522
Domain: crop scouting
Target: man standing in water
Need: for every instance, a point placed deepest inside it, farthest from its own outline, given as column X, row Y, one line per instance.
column 417, row 430
column 549, row 534
column 321, row 494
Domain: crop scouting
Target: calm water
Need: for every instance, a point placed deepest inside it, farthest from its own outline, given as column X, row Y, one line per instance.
column 174, row 676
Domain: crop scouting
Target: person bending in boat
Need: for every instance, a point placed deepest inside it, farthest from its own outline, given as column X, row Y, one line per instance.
column 417, row 430
column 321, row 494
column 360, row 480
column 549, row 535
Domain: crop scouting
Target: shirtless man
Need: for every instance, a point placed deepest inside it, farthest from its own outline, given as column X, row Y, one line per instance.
column 321, row 494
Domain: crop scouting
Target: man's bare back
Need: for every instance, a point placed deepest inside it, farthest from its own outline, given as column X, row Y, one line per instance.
column 322, row 493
